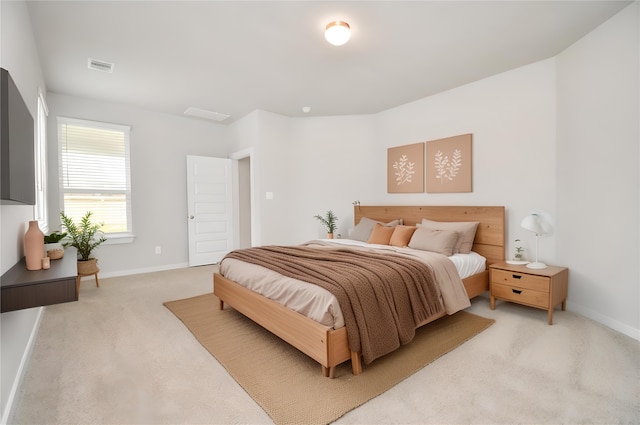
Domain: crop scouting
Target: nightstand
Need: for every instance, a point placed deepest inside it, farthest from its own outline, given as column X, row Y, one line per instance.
column 539, row 288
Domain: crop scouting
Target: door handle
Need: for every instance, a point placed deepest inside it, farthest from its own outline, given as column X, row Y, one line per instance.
column 191, row 217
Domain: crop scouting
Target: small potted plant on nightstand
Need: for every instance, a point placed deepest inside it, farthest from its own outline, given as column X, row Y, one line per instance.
column 519, row 256
column 329, row 222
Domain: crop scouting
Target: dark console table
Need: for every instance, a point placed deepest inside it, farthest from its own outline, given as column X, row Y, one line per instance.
column 22, row 288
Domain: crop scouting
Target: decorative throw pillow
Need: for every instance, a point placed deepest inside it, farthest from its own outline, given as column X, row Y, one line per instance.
column 363, row 229
column 381, row 234
column 402, row 235
column 466, row 230
column 434, row 240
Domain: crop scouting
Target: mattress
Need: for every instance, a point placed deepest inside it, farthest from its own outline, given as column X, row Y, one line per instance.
column 319, row 304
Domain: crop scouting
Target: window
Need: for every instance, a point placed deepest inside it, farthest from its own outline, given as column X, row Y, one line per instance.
column 40, row 208
column 94, row 174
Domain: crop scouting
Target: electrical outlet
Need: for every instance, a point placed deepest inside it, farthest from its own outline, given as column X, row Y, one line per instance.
column 158, row 250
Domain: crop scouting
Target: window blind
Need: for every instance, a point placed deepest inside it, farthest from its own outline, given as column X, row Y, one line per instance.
column 94, row 172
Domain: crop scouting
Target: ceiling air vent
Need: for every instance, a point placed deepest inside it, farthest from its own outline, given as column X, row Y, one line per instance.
column 207, row 115
column 101, row 65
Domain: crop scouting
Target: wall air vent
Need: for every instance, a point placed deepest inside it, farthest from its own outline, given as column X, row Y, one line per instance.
column 208, row 115
column 100, row 65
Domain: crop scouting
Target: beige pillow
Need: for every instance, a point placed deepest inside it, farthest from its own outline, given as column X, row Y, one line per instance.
column 363, row 229
column 440, row 241
column 381, row 234
column 466, row 229
column 402, row 235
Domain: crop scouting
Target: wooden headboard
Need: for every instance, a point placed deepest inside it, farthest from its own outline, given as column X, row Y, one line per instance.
column 490, row 236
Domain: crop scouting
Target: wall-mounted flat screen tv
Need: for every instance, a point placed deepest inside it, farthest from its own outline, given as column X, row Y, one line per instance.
column 17, row 161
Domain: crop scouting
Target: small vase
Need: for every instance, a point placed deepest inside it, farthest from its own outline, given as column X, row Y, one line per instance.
column 34, row 246
column 329, row 235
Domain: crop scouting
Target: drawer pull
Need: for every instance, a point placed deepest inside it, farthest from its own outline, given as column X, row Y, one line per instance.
column 516, row 276
column 516, row 291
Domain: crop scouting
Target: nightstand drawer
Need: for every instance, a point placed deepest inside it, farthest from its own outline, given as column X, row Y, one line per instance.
column 520, row 295
column 521, row 280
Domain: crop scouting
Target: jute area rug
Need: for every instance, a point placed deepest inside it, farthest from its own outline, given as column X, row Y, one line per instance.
column 289, row 385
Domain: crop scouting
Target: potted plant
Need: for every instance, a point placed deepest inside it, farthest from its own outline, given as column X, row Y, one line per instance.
column 85, row 237
column 519, row 256
column 53, row 246
column 329, row 222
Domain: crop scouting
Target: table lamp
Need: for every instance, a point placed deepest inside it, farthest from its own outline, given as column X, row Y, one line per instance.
column 532, row 224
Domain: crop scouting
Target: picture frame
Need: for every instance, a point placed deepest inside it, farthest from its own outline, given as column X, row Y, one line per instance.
column 405, row 168
column 449, row 164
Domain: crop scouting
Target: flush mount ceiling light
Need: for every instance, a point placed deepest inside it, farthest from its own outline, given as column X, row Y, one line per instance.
column 337, row 33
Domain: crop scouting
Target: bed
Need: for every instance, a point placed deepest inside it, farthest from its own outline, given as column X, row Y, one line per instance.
column 329, row 346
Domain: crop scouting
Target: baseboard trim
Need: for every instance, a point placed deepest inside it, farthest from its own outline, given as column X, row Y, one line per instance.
column 605, row 320
column 162, row 268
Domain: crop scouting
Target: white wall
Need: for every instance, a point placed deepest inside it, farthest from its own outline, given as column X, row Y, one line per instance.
column 512, row 119
column 159, row 144
column 19, row 57
column 319, row 163
column 598, row 171
column 329, row 167
column 310, row 165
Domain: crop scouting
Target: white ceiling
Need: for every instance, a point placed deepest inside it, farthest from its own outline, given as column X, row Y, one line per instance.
column 233, row 57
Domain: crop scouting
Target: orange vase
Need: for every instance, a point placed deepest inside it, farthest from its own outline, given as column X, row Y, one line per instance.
column 34, row 246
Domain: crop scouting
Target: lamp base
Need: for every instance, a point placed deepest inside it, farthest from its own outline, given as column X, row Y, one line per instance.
column 536, row 265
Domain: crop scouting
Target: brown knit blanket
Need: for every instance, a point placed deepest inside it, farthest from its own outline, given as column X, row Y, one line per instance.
column 383, row 297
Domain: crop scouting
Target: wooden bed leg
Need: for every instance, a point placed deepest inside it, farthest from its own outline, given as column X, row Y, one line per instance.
column 328, row 372
column 221, row 304
column 356, row 363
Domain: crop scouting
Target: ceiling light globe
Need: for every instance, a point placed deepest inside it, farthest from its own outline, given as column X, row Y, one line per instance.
column 337, row 33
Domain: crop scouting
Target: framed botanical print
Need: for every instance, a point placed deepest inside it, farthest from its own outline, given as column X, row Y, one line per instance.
column 405, row 169
column 449, row 164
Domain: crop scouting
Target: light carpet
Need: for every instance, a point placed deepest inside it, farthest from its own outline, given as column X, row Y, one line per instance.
column 289, row 385
column 119, row 356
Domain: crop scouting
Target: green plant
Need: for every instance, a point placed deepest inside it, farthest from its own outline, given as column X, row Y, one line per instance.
column 519, row 250
column 328, row 221
column 54, row 237
column 85, row 237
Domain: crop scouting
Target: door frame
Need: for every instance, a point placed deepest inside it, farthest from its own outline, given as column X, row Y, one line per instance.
column 255, row 223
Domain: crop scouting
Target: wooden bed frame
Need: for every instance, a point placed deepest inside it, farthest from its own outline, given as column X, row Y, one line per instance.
column 329, row 346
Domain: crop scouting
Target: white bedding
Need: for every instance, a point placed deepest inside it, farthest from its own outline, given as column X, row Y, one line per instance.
column 319, row 304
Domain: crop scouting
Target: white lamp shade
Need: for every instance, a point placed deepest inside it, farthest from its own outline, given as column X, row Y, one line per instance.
column 337, row 33
column 531, row 223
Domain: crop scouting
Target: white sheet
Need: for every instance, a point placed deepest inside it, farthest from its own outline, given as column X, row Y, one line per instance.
column 466, row 264
column 316, row 302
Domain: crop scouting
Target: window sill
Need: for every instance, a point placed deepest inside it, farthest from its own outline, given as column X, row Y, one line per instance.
column 119, row 238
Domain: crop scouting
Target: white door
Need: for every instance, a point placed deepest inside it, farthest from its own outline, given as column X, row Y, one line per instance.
column 209, row 209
